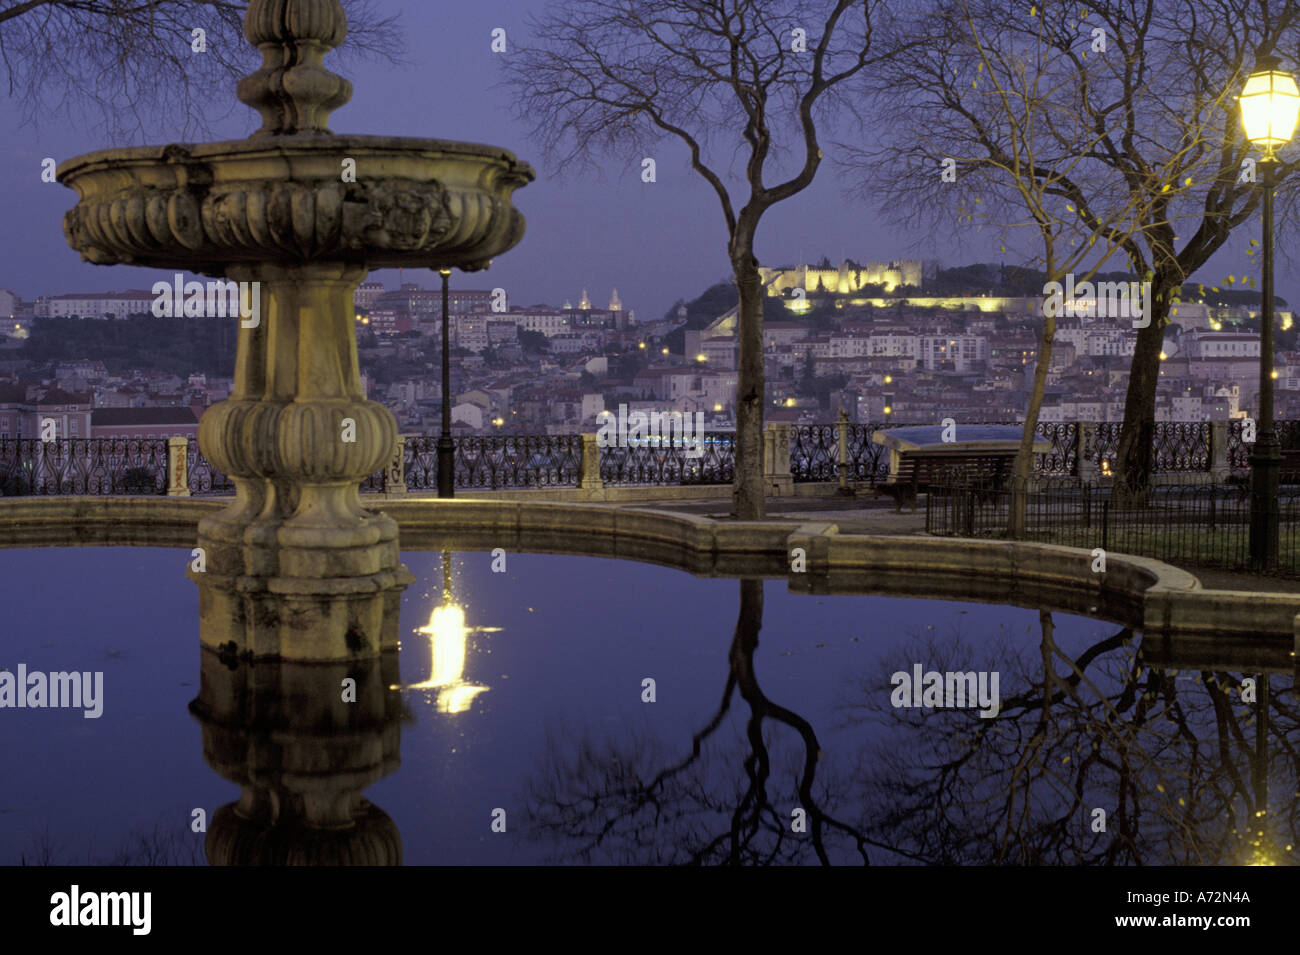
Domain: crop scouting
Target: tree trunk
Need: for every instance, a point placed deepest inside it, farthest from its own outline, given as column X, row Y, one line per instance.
column 1137, row 433
column 748, row 493
column 1025, row 453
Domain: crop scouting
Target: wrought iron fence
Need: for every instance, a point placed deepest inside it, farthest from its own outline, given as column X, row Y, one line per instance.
column 29, row 466
column 139, row 465
column 497, row 461
column 1182, row 446
column 1107, row 449
column 659, row 462
column 203, row 477
column 815, row 452
column 1205, row 525
column 1063, row 458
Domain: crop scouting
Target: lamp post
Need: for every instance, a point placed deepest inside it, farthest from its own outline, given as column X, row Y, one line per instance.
column 446, row 447
column 1269, row 105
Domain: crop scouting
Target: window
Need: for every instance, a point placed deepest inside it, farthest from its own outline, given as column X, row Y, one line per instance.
column 73, row 426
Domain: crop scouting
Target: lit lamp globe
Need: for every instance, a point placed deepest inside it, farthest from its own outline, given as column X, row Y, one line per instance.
column 1270, row 103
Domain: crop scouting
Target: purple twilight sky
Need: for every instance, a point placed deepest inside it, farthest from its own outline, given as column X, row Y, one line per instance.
column 596, row 229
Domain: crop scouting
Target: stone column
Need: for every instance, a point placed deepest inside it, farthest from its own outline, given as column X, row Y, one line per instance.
column 776, row 459
column 589, row 471
column 1085, row 452
column 178, row 474
column 1219, row 467
column 395, row 478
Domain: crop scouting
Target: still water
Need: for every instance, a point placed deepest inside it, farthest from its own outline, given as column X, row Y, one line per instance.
column 778, row 728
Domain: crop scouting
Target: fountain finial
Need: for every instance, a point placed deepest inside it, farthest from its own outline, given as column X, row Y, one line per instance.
column 293, row 91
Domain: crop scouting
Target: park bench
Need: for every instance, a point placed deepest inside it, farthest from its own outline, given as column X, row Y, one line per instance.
column 922, row 467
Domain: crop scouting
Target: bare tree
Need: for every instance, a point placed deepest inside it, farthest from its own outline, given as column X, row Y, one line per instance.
column 1167, row 754
column 725, row 78
column 983, row 125
column 1143, row 148
column 127, row 63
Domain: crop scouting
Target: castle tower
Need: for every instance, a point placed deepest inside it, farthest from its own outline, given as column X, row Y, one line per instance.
column 614, row 304
column 584, row 302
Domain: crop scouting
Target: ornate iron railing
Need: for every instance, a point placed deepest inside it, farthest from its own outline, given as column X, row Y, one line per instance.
column 1063, row 458
column 83, row 466
column 497, row 461
column 815, row 453
column 1182, row 446
column 1107, row 449
column 664, row 462
column 203, row 477
column 140, row 466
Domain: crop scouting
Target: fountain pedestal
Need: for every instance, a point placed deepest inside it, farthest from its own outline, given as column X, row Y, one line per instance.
column 296, row 567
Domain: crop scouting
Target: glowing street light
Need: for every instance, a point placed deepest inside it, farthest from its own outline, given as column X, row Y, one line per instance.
column 1270, row 103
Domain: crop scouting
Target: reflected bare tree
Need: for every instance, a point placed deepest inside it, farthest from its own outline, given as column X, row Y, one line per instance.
column 1170, row 757
column 607, row 802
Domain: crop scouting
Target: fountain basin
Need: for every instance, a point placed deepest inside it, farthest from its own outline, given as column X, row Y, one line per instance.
column 416, row 202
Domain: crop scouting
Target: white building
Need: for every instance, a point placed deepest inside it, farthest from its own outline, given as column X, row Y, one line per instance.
column 471, row 330
column 96, row 305
column 547, row 321
column 1223, row 345
column 893, row 346
column 962, row 352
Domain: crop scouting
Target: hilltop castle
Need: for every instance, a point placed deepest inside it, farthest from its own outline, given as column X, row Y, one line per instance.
column 849, row 277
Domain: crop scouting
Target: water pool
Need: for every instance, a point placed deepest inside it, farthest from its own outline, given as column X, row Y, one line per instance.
column 516, row 726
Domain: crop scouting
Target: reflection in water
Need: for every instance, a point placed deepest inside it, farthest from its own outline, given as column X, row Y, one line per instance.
column 1182, row 766
column 1096, row 757
column 448, row 639
column 301, row 756
column 606, row 802
column 1117, row 751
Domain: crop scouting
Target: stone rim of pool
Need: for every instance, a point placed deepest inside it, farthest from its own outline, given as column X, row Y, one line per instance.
column 1140, row 592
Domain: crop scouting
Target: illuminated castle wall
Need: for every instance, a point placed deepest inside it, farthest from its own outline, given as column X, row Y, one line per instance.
column 844, row 280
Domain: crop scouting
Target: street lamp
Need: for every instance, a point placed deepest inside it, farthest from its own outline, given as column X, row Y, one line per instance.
column 1269, row 105
column 446, row 447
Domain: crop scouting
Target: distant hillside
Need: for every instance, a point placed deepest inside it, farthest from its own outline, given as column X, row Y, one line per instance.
column 176, row 345
column 717, row 300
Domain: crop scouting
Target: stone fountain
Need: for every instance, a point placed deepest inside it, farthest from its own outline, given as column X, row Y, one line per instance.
column 296, row 567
